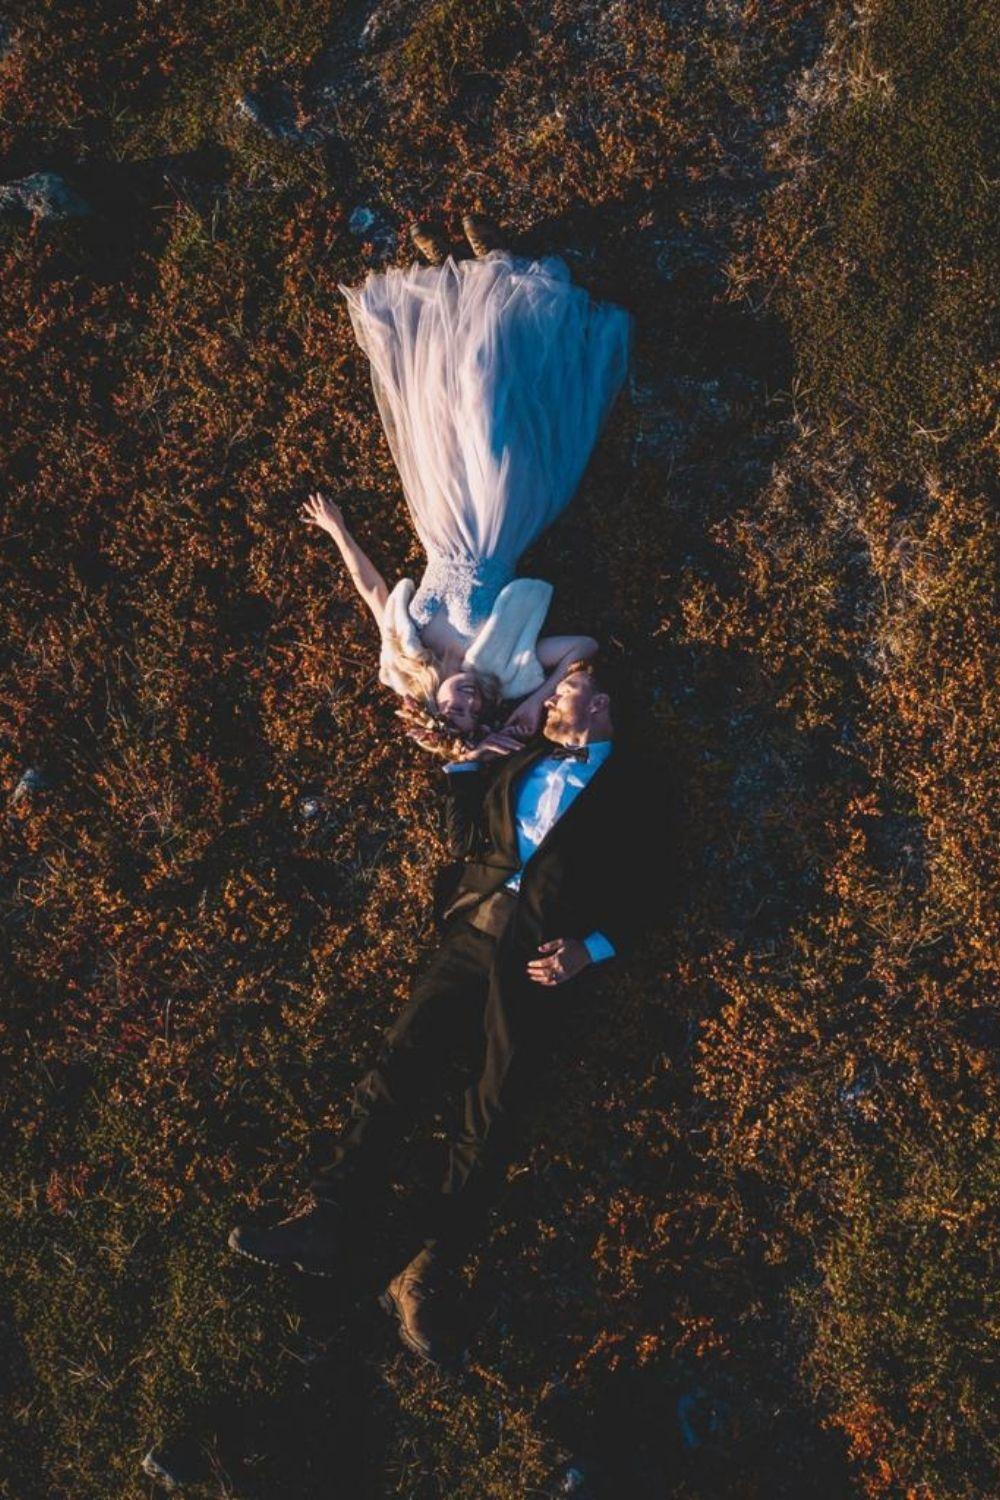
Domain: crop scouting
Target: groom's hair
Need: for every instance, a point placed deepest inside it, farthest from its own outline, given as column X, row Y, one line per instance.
column 607, row 677
column 594, row 668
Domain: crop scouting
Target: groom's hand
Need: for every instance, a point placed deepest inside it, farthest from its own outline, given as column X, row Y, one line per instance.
column 560, row 960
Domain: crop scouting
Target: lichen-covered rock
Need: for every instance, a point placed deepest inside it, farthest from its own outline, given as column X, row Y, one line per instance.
column 45, row 196
column 276, row 117
column 361, row 220
column 32, row 780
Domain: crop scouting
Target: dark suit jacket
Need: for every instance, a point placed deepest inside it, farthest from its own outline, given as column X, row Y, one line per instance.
column 590, row 873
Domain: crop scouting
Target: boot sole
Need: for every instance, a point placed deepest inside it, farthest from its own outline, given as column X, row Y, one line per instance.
column 429, row 252
column 283, row 1265
column 480, row 248
column 388, row 1304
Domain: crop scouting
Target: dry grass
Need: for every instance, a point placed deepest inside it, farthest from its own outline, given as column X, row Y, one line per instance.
column 750, row 1251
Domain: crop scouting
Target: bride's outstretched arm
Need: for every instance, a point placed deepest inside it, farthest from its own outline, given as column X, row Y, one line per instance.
column 555, row 653
column 318, row 511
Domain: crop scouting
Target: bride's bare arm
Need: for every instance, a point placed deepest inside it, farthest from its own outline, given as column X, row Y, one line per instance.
column 318, row 511
column 555, row 653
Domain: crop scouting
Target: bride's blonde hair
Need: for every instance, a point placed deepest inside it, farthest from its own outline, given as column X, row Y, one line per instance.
column 423, row 677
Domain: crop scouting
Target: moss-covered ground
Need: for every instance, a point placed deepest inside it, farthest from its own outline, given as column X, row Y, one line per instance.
column 750, row 1247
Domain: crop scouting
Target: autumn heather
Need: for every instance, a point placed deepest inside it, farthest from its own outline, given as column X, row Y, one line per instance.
column 753, row 1250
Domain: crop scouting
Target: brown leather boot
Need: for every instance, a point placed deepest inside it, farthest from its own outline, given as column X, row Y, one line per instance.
column 311, row 1240
column 423, row 1300
column 482, row 233
column 429, row 241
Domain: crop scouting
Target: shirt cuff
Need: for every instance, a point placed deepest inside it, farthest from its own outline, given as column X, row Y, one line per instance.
column 462, row 765
column 599, row 948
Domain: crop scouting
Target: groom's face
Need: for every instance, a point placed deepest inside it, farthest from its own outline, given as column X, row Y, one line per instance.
column 570, row 707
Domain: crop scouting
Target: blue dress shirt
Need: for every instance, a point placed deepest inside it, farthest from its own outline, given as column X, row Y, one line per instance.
column 542, row 794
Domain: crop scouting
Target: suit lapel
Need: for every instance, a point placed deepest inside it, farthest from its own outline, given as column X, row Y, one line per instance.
column 503, row 791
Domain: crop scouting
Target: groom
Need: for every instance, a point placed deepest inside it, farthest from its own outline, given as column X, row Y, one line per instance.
column 551, row 838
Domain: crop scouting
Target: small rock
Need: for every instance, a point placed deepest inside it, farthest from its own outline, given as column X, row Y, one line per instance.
column 43, row 195
column 369, row 225
column 860, row 1097
column 33, row 780
column 361, row 220
column 176, row 1463
column 251, row 109
column 373, row 31
column 571, row 1481
column 275, row 118
column 154, row 1468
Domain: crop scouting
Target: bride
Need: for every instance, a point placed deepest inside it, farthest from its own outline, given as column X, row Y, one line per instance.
column 493, row 377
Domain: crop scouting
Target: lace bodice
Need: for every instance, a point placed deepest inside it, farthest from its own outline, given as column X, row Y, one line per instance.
column 466, row 589
column 504, row 646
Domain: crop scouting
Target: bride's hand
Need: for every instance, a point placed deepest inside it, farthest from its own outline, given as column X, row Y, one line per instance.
column 525, row 720
column 321, row 512
column 500, row 742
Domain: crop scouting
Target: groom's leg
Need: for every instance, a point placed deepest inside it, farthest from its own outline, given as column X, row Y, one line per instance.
column 523, row 1023
column 447, row 1002
column 444, row 1013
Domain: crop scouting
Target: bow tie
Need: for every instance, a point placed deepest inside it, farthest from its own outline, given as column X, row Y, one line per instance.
column 569, row 752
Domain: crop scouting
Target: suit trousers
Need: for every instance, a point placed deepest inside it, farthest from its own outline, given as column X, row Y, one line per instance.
column 473, row 997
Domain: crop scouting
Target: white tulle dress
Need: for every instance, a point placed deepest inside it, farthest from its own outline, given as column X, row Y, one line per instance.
column 493, row 378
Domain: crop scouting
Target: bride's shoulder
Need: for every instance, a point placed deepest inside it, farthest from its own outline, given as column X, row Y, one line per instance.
column 402, row 654
column 505, row 646
column 396, row 610
column 517, row 614
column 523, row 593
column 399, row 632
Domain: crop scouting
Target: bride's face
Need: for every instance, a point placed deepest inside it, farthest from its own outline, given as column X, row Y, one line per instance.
column 460, row 699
